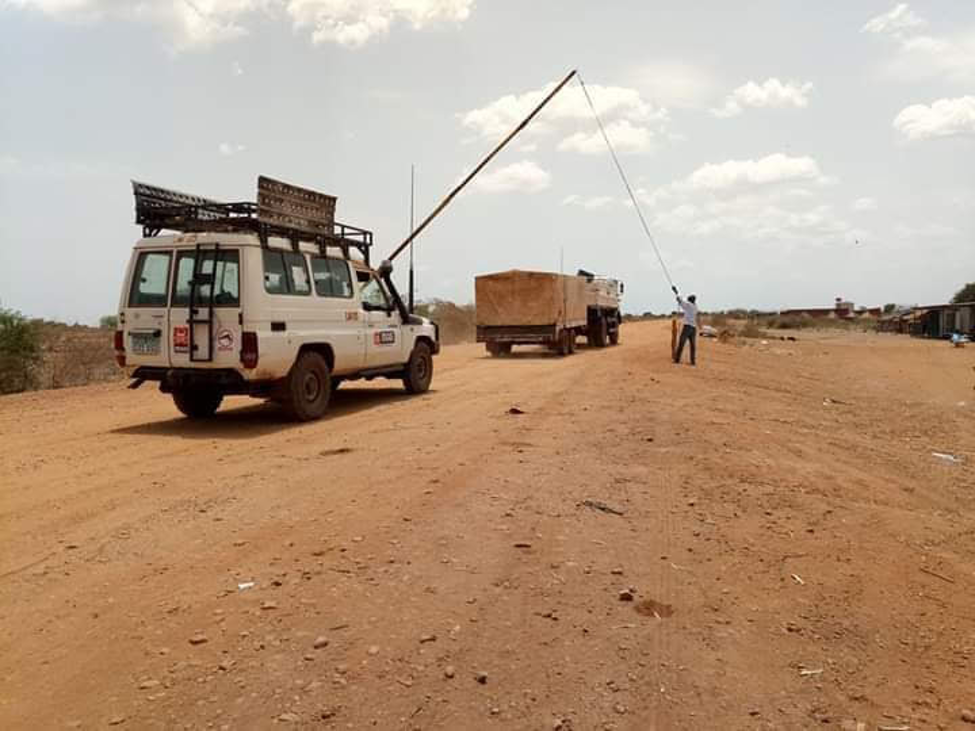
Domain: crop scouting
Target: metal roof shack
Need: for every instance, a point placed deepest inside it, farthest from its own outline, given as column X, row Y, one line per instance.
column 943, row 320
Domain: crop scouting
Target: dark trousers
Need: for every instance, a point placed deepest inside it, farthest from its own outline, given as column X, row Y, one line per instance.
column 688, row 333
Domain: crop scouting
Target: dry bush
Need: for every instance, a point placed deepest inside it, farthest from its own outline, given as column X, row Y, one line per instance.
column 456, row 322
column 750, row 329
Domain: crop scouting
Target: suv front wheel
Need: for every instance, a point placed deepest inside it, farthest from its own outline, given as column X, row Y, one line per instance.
column 420, row 369
column 307, row 388
column 197, row 403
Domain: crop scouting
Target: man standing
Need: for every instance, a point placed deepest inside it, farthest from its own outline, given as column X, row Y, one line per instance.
column 690, row 321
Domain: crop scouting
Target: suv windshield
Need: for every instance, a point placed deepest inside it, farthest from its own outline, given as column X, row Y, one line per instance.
column 225, row 279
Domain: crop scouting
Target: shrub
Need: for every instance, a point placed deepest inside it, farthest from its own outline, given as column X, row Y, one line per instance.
column 751, row 330
column 20, row 352
column 109, row 322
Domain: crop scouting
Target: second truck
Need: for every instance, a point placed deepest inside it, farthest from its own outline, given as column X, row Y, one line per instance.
column 519, row 307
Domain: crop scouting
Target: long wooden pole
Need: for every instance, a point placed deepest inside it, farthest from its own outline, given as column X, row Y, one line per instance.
column 457, row 189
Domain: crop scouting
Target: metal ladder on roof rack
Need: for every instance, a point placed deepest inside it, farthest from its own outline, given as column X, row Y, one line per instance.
column 196, row 280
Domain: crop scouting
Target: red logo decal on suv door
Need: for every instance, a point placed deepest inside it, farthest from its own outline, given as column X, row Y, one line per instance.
column 181, row 338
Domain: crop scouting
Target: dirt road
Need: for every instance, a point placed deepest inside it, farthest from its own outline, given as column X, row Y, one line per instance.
column 798, row 556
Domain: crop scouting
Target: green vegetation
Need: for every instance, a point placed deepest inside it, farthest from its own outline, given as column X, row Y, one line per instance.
column 964, row 294
column 20, row 352
column 108, row 322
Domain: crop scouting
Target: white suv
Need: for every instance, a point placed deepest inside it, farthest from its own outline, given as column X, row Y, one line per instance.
column 221, row 309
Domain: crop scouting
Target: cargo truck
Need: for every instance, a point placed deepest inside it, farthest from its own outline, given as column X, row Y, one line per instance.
column 519, row 307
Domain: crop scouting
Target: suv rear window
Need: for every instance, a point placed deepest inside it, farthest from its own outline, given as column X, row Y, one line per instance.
column 226, row 278
column 331, row 277
column 150, row 280
column 285, row 272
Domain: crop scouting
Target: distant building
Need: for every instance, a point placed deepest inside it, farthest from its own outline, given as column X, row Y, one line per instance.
column 843, row 310
column 930, row 321
column 941, row 321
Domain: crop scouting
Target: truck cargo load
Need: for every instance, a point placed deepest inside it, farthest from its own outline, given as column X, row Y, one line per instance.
column 518, row 307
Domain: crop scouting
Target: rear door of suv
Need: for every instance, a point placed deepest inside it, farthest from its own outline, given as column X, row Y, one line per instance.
column 145, row 314
column 193, row 341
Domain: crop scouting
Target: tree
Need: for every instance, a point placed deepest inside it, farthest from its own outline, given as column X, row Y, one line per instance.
column 964, row 294
column 890, row 307
column 20, row 352
column 109, row 322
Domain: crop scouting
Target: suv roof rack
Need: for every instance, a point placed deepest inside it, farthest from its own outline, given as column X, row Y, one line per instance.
column 282, row 210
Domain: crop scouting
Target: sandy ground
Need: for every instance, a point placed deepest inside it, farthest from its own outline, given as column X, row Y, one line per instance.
column 798, row 557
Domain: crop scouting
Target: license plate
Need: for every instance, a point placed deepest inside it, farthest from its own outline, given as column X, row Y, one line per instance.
column 144, row 343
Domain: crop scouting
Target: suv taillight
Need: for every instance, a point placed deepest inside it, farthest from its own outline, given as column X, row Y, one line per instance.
column 120, row 348
column 249, row 349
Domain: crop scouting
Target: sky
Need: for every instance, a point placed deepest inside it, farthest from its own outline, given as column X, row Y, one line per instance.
column 782, row 153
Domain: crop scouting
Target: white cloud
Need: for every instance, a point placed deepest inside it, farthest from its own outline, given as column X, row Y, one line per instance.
column 894, row 22
column 590, row 204
column 623, row 134
column 776, row 168
column 228, row 148
column 920, row 56
column 773, row 198
column 627, row 116
column 203, row 23
column 865, row 204
column 943, row 118
column 524, row 175
column 772, row 93
column 354, row 22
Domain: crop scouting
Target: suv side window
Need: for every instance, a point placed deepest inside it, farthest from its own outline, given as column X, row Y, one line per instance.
column 150, row 280
column 331, row 277
column 372, row 293
column 285, row 272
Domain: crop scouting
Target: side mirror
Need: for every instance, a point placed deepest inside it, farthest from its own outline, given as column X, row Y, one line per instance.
column 622, row 287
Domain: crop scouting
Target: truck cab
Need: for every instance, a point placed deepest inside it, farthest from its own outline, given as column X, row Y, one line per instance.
column 239, row 303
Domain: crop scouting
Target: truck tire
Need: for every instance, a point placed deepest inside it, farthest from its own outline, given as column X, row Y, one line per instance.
column 614, row 336
column 197, row 403
column 419, row 370
column 307, row 387
column 564, row 345
column 597, row 333
column 572, row 334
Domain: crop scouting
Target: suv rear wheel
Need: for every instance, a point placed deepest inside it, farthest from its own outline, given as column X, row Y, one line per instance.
column 420, row 369
column 197, row 403
column 307, row 388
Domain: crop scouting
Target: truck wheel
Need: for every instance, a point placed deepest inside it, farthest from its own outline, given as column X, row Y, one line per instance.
column 505, row 348
column 563, row 343
column 197, row 403
column 615, row 335
column 493, row 349
column 600, row 333
column 307, row 387
column 420, row 369
column 572, row 335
